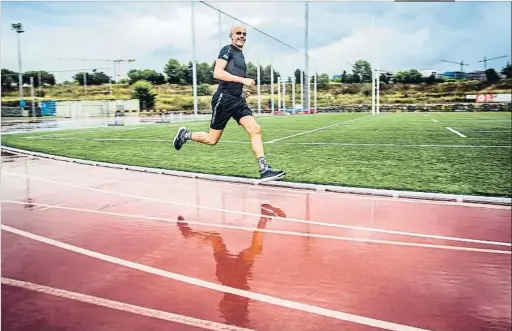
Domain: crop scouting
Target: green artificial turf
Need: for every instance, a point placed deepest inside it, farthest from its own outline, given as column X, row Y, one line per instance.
column 356, row 150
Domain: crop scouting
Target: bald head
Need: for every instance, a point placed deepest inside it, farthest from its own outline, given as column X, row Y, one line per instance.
column 238, row 35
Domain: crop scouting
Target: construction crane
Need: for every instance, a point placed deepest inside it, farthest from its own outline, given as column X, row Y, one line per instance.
column 115, row 62
column 461, row 63
column 494, row 58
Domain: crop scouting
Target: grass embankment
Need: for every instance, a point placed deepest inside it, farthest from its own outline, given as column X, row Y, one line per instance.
column 374, row 151
column 178, row 98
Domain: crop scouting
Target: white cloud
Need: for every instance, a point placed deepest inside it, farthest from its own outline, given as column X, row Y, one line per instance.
column 154, row 32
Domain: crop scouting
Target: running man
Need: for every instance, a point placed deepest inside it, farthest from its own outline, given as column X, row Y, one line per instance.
column 229, row 101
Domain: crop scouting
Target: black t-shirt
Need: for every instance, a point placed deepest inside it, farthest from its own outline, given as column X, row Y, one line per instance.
column 236, row 66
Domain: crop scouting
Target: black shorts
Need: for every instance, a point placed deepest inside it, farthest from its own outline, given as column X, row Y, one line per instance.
column 225, row 106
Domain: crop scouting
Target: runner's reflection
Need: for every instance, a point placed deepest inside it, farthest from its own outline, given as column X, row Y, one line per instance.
column 234, row 270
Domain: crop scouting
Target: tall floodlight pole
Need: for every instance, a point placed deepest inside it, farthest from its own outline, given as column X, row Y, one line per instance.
column 40, row 83
column 278, row 93
column 220, row 31
column 302, row 89
column 194, row 72
column 373, row 71
column 272, row 88
column 306, row 59
column 284, row 94
column 259, row 87
column 32, row 96
column 18, row 28
column 293, row 93
column 377, row 79
column 315, row 84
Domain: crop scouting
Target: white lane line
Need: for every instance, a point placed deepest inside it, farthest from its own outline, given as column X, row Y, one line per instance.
column 217, row 287
column 94, row 300
column 456, row 132
column 490, row 131
column 434, row 120
column 119, row 139
column 50, row 206
column 285, row 219
column 317, row 129
column 287, row 143
column 392, row 145
column 292, row 192
column 280, row 232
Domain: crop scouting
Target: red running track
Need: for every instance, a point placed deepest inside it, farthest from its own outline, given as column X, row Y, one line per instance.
column 121, row 250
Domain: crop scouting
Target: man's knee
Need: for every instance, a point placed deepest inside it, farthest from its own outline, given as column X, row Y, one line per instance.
column 212, row 141
column 213, row 136
column 255, row 129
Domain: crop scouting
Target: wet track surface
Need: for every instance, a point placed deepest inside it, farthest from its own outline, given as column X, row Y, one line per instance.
column 104, row 246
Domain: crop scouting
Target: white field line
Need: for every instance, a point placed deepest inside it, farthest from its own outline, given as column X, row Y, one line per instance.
column 279, row 232
column 285, row 219
column 434, row 120
column 119, row 139
column 491, row 131
column 393, row 145
column 317, row 129
column 456, row 132
column 138, row 310
column 287, row 143
column 474, row 120
column 217, row 287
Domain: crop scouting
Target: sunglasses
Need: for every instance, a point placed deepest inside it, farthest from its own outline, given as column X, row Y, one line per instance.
column 241, row 33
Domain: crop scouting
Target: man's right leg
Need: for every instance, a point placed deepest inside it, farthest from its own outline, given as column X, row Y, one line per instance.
column 208, row 138
column 220, row 118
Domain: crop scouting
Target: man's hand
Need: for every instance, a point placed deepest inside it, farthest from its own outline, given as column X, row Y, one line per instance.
column 246, row 93
column 248, row 81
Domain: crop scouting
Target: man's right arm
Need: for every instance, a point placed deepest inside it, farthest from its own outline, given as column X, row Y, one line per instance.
column 221, row 63
column 221, row 74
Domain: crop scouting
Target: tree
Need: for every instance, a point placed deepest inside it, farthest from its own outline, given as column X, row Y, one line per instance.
column 204, row 73
column 297, row 75
column 149, row 75
column 412, row 76
column 363, row 69
column 203, row 89
column 430, row 80
column 344, row 78
column 507, row 70
column 492, row 76
column 265, row 74
column 9, row 78
column 252, row 71
column 143, row 90
column 323, row 80
column 176, row 72
column 100, row 78
column 384, row 78
column 355, row 78
column 46, row 78
column 399, row 77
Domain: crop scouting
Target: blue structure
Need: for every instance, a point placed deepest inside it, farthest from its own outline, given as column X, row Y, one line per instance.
column 454, row 75
column 48, row 108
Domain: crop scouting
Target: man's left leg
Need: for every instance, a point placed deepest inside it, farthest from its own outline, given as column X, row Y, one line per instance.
column 250, row 125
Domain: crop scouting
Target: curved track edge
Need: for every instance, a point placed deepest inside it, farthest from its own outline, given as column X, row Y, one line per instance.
column 283, row 184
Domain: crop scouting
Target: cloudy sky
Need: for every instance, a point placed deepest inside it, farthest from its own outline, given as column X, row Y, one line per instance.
column 409, row 35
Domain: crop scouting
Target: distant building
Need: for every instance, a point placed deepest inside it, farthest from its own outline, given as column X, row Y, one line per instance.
column 477, row 75
column 428, row 73
column 454, row 75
